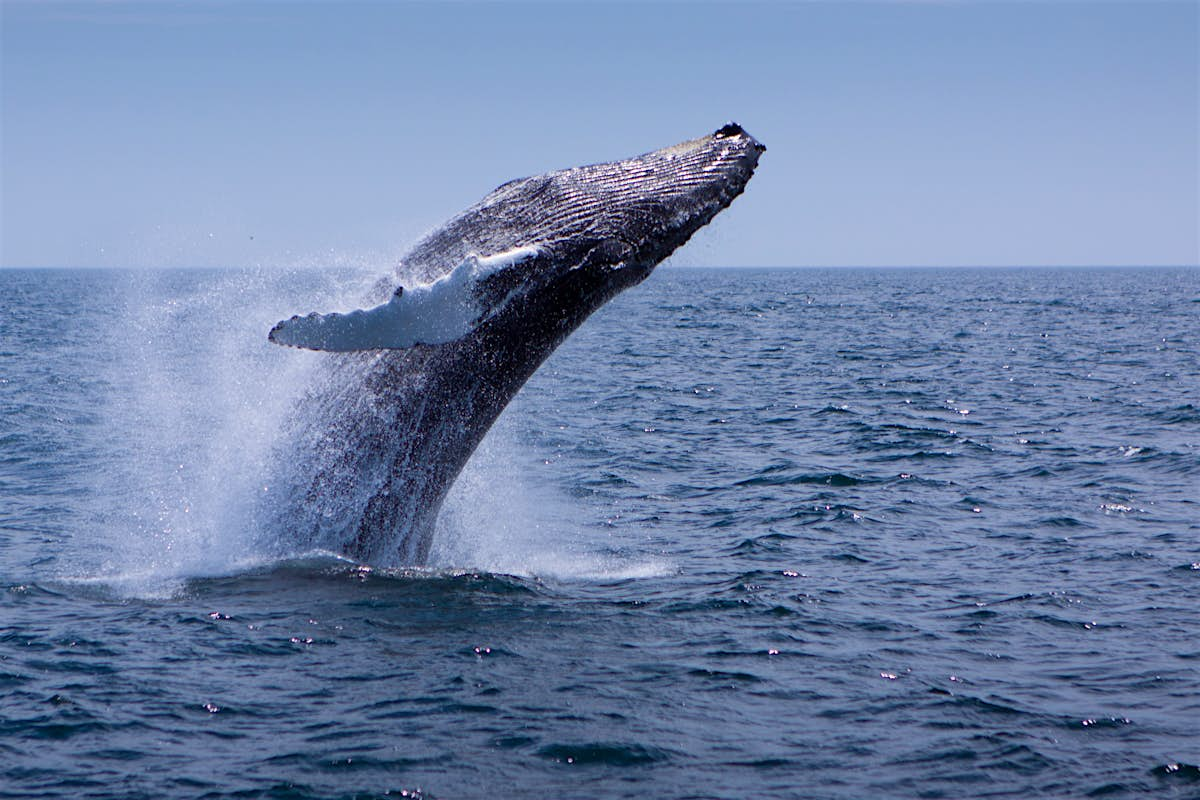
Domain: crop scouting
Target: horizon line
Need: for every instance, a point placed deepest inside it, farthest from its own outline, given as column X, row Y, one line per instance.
column 661, row 266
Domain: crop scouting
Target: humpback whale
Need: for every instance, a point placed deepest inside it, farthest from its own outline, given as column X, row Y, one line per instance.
column 412, row 384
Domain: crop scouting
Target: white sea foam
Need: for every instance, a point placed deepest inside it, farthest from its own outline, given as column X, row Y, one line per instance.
column 197, row 418
column 434, row 313
column 197, row 402
column 504, row 515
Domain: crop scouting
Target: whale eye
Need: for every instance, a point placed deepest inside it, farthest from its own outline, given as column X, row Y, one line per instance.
column 729, row 129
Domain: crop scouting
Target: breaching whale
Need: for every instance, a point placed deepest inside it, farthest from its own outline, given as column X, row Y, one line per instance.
column 416, row 380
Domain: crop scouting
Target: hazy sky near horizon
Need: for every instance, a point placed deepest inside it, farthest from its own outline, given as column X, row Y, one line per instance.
column 306, row 134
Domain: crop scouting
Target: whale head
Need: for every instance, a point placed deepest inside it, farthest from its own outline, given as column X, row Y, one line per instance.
column 550, row 248
column 603, row 227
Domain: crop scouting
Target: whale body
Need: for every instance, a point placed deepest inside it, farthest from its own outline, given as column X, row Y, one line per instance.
column 411, row 384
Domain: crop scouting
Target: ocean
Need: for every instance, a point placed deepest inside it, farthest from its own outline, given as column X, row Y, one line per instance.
column 795, row 533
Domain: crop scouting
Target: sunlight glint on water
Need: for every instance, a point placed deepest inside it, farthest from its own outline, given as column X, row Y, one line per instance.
column 736, row 534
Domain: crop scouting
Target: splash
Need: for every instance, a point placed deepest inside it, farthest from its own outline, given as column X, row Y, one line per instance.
column 196, row 436
column 195, row 410
column 506, row 515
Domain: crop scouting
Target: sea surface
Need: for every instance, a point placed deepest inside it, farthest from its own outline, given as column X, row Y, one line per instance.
column 749, row 533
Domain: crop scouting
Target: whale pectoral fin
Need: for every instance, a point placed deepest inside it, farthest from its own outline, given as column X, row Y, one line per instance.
column 407, row 319
column 428, row 315
column 338, row 333
column 437, row 313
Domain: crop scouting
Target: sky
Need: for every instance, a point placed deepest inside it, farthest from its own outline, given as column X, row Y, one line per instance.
column 307, row 134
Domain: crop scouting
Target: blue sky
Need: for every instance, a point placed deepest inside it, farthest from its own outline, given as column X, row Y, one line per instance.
column 304, row 134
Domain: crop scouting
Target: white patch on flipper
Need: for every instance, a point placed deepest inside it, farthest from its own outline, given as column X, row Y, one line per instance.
column 435, row 313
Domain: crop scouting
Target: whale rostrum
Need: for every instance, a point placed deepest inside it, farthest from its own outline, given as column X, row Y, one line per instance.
column 411, row 385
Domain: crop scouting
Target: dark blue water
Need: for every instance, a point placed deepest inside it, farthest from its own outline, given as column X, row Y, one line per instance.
column 796, row 533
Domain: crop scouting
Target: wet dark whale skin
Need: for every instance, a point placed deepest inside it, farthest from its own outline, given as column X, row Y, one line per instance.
column 379, row 439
